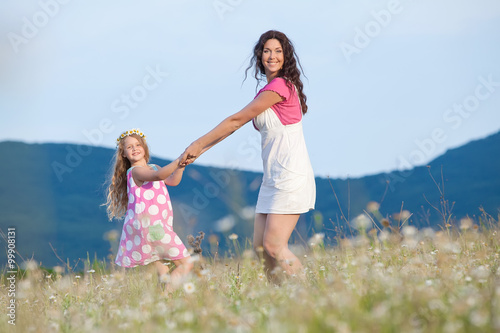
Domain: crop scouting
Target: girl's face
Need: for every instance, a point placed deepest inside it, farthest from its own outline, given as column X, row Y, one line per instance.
column 272, row 57
column 133, row 150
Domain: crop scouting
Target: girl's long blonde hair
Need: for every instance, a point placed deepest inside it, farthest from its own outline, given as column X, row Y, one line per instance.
column 117, row 199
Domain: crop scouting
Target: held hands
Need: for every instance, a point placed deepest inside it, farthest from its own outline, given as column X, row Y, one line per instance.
column 181, row 165
column 182, row 162
column 190, row 154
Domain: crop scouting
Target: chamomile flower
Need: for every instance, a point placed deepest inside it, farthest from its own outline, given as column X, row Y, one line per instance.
column 189, row 287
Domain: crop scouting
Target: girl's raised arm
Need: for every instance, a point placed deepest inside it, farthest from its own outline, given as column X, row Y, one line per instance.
column 175, row 178
column 145, row 174
column 265, row 100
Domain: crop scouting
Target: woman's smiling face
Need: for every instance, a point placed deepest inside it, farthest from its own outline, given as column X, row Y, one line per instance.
column 272, row 57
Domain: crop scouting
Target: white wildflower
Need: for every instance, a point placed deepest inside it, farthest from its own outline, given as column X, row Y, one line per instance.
column 384, row 236
column 373, row 206
column 481, row 273
column 362, row 222
column 58, row 269
column 409, row 231
column 189, row 287
column 316, row 239
column 466, row 223
column 403, row 216
column 428, row 233
column 479, row 318
column 248, row 212
column 188, row 317
column 225, row 223
column 30, row 265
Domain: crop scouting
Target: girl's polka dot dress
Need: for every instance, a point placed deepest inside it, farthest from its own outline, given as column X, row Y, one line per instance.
column 148, row 234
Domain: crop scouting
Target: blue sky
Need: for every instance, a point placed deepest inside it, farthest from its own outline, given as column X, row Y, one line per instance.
column 390, row 84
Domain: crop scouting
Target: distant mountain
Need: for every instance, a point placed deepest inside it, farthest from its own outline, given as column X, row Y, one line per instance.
column 52, row 195
column 468, row 177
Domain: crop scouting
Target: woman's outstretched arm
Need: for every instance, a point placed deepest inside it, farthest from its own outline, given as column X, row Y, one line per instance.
column 265, row 100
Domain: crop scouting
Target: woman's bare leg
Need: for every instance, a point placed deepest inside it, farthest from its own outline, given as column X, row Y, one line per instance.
column 278, row 229
column 258, row 243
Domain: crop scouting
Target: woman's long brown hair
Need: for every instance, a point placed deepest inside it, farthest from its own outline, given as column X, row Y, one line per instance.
column 291, row 64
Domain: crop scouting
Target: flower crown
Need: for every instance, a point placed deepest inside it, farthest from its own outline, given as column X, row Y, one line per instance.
column 130, row 132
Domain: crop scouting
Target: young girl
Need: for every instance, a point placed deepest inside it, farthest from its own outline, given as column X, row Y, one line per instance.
column 137, row 191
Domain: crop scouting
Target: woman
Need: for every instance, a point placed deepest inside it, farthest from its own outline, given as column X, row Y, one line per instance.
column 288, row 188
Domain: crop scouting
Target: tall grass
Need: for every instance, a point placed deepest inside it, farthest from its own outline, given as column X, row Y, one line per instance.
column 384, row 279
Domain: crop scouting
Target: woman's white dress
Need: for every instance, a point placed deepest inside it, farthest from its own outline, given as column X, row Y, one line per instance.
column 288, row 185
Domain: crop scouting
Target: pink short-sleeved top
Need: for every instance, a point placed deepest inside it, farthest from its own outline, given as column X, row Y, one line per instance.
column 289, row 110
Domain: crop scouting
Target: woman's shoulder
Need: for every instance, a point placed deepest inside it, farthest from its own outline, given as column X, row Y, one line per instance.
column 278, row 85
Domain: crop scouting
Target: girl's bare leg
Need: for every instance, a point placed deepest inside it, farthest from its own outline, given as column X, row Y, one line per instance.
column 161, row 268
column 182, row 268
column 171, row 282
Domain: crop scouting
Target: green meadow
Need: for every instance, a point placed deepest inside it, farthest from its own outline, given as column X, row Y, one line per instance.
column 388, row 277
